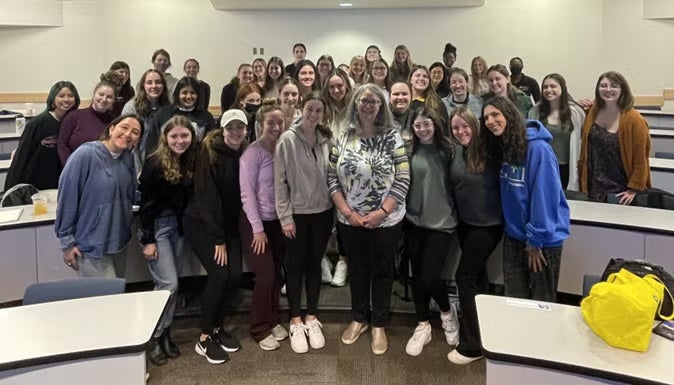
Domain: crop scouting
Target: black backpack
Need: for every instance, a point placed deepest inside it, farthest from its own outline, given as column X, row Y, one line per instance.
column 18, row 195
column 642, row 268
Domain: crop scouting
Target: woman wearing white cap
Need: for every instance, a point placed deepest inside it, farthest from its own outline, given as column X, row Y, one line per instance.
column 211, row 225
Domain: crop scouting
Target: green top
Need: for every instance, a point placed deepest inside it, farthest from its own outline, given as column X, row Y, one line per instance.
column 429, row 202
column 561, row 141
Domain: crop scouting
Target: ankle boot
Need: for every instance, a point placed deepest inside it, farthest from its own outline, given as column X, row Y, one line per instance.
column 169, row 348
column 155, row 354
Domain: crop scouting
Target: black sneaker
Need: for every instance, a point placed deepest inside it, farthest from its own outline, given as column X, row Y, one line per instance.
column 226, row 340
column 211, row 350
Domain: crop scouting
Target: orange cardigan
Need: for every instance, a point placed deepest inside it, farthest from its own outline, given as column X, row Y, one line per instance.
column 635, row 149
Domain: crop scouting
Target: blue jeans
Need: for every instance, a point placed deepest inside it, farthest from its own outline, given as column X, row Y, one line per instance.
column 164, row 269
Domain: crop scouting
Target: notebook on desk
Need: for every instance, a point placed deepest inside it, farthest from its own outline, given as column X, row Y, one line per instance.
column 10, row 215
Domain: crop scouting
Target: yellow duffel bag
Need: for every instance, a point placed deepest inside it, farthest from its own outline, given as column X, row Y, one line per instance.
column 621, row 310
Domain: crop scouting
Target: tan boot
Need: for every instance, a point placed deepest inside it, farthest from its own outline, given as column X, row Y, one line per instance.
column 379, row 341
column 353, row 331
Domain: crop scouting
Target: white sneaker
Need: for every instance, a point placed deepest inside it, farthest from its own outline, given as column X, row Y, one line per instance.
column 269, row 343
column 298, row 338
column 457, row 358
column 450, row 324
column 279, row 333
column 283, row 290
column 326, row 270
column 420, row 338
column 339, row 278
column 316, row 338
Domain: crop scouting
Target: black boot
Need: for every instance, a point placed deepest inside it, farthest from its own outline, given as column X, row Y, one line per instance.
column 169, row 348
column 155, row 353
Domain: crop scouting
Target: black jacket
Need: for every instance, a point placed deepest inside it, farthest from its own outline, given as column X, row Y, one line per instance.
column 36, row 160
column 217, row 196
column 201, row 118
column 159, row 197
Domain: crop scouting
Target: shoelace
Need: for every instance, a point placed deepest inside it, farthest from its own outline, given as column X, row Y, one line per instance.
column 418, row 333
column 315, row 327
column 298, row 328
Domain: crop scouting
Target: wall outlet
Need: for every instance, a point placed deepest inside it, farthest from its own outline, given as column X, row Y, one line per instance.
column 261, row 51
column 254, row 51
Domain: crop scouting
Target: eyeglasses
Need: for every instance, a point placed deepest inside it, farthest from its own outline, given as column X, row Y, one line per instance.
column 369, row 102
column 378, row 68
column 427, row 124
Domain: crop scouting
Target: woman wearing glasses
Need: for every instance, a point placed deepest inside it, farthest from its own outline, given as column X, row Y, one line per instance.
column 368, row 177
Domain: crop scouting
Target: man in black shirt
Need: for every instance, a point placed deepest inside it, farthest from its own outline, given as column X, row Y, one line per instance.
column 524, row 83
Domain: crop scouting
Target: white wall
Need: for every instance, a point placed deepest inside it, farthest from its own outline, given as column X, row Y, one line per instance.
column 577, row 38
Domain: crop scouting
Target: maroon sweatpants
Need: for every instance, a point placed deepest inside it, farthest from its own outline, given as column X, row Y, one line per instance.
column 264, row 314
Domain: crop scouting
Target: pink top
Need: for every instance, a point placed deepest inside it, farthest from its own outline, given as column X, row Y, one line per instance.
column 256, row 177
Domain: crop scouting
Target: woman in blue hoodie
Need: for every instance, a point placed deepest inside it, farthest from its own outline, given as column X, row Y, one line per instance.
column 534, row 208
column 96, row 190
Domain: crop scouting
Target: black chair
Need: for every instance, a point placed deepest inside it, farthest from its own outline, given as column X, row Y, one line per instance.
column 42, row 292
column 6, row 156
column 588, row 281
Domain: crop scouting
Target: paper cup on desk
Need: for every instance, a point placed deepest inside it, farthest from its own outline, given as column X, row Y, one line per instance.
column 39, row 204
column 20, row 125
column 30, row 109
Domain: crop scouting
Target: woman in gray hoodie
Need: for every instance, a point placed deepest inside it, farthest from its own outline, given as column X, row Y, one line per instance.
column 304, row 207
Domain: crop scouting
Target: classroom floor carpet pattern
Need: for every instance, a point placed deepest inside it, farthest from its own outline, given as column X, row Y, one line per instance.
column 335, row 364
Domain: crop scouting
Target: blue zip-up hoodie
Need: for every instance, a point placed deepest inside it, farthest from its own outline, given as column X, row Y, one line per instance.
column 534, row 206
column 95, row 195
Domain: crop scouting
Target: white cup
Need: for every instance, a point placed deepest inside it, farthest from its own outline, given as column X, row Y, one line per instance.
column 30, row 109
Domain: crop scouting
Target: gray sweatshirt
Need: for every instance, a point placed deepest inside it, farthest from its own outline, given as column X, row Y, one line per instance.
column 301, row 175
column 429, row 201
column 477, row 195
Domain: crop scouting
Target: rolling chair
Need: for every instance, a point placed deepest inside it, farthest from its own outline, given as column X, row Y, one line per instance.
column 42, row 292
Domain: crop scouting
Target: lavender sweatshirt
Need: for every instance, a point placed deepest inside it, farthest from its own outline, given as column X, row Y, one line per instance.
column 256, row 177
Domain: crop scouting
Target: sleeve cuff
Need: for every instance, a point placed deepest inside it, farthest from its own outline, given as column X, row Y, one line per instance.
column 287, row 220
column 67, row 241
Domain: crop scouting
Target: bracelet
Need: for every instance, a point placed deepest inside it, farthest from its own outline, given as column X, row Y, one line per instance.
column 384, row 210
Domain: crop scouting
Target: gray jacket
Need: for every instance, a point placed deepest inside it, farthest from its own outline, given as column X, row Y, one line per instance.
column 301, row 174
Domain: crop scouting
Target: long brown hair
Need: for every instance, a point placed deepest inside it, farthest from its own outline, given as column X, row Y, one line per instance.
column 626, row 100
column 474, row 153
column 172, row 167
column 315, row 95
column 432, row 100
column 440, row 141
column 511, row 146
column 142, row 101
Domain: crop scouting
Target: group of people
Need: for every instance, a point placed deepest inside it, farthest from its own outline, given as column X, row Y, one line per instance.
column 385, row 152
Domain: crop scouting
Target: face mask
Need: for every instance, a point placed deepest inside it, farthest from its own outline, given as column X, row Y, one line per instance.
column 252, row 108
column 516, row 70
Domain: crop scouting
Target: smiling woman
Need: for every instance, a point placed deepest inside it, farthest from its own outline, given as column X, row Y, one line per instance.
column 185, row 103
column 93, row 215
column 86, row 125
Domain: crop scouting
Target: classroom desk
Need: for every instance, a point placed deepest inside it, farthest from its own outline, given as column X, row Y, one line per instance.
column 659, row 119
column 97, row 340
column 601, row 231
column 662, row 173
column 31, row 253
column 4, row 168
column 661, row 140
column 531, row 342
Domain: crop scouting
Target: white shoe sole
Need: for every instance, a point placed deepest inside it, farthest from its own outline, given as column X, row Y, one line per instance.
column 269, row 349
column 209, row 359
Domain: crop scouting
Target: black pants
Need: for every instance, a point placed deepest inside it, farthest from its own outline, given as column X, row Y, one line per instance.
column 477, row 244
column 303, row 260
column 223, row 282
column 427, row 250
column 370, row 264
column 564, row 175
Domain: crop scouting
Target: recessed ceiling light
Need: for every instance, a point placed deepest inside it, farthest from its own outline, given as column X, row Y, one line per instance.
column 345, row 5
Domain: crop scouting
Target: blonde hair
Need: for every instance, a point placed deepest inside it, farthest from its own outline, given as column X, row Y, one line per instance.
column 364, row 78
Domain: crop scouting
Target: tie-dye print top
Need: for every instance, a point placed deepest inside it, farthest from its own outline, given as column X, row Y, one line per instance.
column 367, row 171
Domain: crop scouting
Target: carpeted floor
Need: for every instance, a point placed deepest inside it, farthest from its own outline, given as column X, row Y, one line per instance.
column 335, row 364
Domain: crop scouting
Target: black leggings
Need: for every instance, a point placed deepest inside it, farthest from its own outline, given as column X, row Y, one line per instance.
column 221, row 291
column 428, row 250
column 303, row 259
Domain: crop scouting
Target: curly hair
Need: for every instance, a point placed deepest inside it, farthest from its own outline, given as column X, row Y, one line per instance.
column 511, row 146
column 176, row 168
